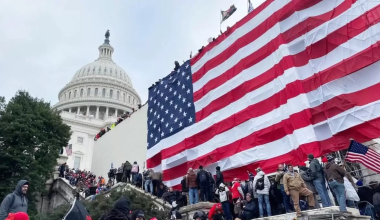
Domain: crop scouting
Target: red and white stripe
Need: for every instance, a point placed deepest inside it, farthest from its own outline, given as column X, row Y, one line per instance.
column 370, row 160
column 291, row 78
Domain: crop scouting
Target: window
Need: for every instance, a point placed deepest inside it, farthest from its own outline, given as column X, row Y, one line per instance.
column 133, row 101
column 81, row 92
column 80, row 140
column 88, row 92
column 104, row 93
column 117, row 95
column 96, row 92
column 129, row 99
column 77, row 162
column 111, row 93
column 124, row 97
column 75, row 93
column 65, row 95
column 69, row 95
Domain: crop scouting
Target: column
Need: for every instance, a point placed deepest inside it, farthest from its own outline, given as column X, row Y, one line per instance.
column 88, row 111
column 69, row 110
column 115, row 112
column 78, row 111
column 106, row 116
column 97, row 112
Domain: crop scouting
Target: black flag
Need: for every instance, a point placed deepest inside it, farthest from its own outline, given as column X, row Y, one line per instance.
column 77, row 212
column 228, row 13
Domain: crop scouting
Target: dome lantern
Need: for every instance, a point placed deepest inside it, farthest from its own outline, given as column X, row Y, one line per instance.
column 106, row 50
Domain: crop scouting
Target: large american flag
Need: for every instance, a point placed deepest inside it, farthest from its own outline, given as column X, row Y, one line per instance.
column 289, row 79
column 364, row 155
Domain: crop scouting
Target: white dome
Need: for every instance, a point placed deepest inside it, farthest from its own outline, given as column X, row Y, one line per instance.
column 101, row 83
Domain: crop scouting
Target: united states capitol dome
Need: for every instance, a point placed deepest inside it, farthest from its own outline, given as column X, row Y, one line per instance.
column 100, row 89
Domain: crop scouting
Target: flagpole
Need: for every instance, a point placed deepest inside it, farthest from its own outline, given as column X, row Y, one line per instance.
column 220, row 25
column 247, row 6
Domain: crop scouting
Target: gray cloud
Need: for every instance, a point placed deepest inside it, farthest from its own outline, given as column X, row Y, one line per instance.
column 43, row 43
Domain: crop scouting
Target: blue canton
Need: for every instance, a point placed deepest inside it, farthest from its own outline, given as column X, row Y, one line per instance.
column 358, row 148
column 170, row 105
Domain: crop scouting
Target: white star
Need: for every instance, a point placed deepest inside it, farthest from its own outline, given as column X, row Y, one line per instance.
column 180, row 124
column 151, row 122
column 166, row 86
column 178, row 70
column 158, row 104
column 180, row 109
column 162, row 134
column 151, row 110
column 183, row 86
column 162, row 106
column 162, row 82
column 190, row 119
column 179, row 96
column 188, row 77
column 154, row 89
column 151, row 98
column 167, row 124
column 158, row 91
column 184, row 100
column 188, row 91
column 183, row 73
column 175, row 93
column 151, row 135
column 184, row 114
column 170, row 89
column 187, row 66
column 154, row 101
column 162, row 120
column 167, row 111
column 171, row 102
column 159, row 129
column 172, row 115
column 158, row 116
column 189, row 104
column 162, row 94
column 170, row 77
column 175, row 106
column 176, row 119
column 154, row 126
column 166, row 98
column 179, row 83
column 171, row 129
column 155, row 113
column 155, row 139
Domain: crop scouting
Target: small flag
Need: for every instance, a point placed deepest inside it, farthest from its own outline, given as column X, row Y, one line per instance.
column 357, row 152
column 77, row 212
column 228, row 13
column 250, row 7
column 69, row 149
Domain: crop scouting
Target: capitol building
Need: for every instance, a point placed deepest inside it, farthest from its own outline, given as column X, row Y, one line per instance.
column 96, row 96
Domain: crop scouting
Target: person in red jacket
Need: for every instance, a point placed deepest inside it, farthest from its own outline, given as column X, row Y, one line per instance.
column 237, row 192
column 216, row 212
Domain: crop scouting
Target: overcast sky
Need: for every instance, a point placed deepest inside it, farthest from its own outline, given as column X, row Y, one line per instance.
column 43, row 43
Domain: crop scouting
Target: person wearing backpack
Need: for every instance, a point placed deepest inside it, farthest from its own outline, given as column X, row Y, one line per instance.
column 319, row 180
column 16, row 201
column 261, row 185
column 203, row 183
column 224, row 194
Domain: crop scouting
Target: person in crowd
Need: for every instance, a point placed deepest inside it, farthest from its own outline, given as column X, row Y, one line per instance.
column 62, row 169
column 275, row 198
column 224, row 193
column 192, row 183
column 261, row 185
column 119, row 174
column 244, row 187
column 216, row 212
column 16, row 201
column 156, row 180
column 203, row 183
column 306, row 175
column 334, row 175
column 17, row 216
column 376, row 201
column 365, row 194
column 219, row 177
column 211, row 182
column 162, row 189
column 148, row 181
column 127, row 172
column 121, row 210
column 294, row 186
column 319, row 180
column 251, row 176
column 175, row 215
column 349, row 190
column 237, row 192
column 138, row 179
column 249, row 207
column 138, row 215
column 280, row 179
column 135, row 169
column 200, row 215
column 185, row 188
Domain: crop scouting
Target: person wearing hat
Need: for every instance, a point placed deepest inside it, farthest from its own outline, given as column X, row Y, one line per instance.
column 261, row 185
column 318, row 180
column 306, row 175
column 17, row 216
column 280, row 180
column 120, row 211
column 334, row 175
column 16, row 201
column 138, row 215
